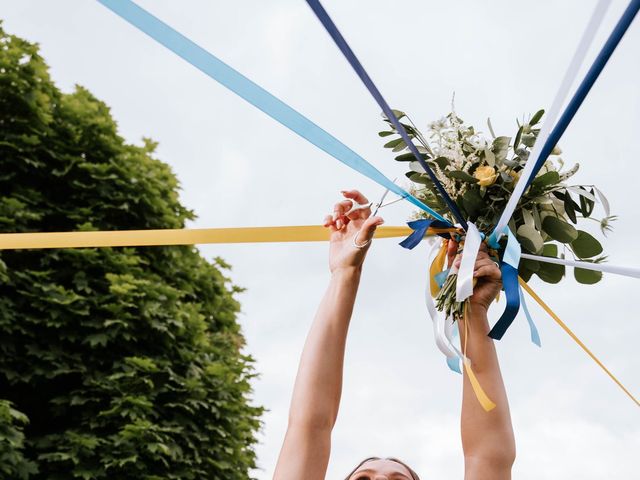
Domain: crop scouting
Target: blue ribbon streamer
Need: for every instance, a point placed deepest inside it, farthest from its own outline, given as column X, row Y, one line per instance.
column 420, row 228
column 344, row 47
column 588, row 81
column 252, row 93
column 511, row 287
column 509, row 268
column 535, row 336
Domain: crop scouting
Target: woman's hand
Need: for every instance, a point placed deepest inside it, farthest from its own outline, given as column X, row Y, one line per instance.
column 486, row 272
column 342, row 253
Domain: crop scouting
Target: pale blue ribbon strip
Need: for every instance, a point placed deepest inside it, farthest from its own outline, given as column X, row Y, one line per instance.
column 252, row 93
column 454, row 364
column 535, row 336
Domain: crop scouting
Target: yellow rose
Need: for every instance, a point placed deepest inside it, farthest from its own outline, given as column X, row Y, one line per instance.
column 486, row 175
column 514, row 175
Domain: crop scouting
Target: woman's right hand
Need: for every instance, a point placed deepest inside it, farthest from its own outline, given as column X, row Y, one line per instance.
column 343, row 255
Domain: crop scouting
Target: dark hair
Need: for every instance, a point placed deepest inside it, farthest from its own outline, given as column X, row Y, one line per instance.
column 414, row 475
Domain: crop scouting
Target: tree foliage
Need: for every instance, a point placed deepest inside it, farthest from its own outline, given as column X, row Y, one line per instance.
column 114, row 362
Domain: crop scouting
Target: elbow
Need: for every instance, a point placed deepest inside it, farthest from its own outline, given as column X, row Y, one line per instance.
column 496, row 457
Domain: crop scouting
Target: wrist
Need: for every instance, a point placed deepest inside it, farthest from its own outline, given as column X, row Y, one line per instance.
column 478, row 309
column 347, row 273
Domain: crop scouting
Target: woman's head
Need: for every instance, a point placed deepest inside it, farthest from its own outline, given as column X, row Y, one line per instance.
column 376, row 468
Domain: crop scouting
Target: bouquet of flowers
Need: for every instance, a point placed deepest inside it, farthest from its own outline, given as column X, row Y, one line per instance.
column 480, row 173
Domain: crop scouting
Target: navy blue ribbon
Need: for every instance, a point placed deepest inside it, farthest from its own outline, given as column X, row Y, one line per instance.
column 512, row 292
column 342, row 44
column 588, row 81
column 420, row 228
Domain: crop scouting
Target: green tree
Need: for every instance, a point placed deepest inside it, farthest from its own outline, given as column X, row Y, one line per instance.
column 114, row 362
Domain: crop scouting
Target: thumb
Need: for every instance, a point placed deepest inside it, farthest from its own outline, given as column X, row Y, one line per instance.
column 369, row 228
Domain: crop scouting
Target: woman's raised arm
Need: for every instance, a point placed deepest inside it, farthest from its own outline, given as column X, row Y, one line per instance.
column 487, row 437
column 318, row 386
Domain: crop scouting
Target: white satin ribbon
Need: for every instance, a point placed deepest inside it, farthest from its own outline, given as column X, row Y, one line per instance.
column 598, row 267
column 554, row 111
column 437, row 319
column 464, row 282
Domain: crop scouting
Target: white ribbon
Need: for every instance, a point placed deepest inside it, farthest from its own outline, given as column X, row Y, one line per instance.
column 464, row 282
column 598, row 267
column 552, row 115
column 438, row 320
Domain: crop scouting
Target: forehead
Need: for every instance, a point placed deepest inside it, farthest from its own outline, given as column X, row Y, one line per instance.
column 385, row 467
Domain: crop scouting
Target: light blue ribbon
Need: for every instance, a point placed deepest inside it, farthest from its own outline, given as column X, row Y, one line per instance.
column 512, row 251
column 454, row 364
column 252, row 93
column 535, row 336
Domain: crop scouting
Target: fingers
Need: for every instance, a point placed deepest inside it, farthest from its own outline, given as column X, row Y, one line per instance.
column 354, row 195
column 330, row 223
column 368, row 229
column 452, row 250
column 339, row 210
column 355, row 198
column 487, row 268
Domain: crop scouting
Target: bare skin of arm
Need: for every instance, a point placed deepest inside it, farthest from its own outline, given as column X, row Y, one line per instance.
column 487, row 437
column 318, row 386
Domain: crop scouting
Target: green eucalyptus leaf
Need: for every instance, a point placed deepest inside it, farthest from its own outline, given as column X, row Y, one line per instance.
column 500, row 148
column 385, row 134
column 394, row 143
column 569, row 208
column 550, row 250
column 410, row 157
column 530, row 239
column 586, row 204
column 550, row 272
column 546, row 179
column 442, row 162
column 460, row 175
column 473, row 202
column 399, row 147
column 516, row 142
column 559, row 230
column 525, row 273
column 528, row 139
column 536, row 117
column 586, row 246
column 416, row 177
column 528, row 264
column 587, row 277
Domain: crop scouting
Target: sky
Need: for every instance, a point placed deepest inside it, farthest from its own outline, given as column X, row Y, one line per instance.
column 238, row 167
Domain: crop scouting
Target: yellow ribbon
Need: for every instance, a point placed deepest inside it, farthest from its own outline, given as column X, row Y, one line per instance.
column 136, row 238
column 575, row 338
column 482, row 397
column 305, row 233
column 436, row 267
